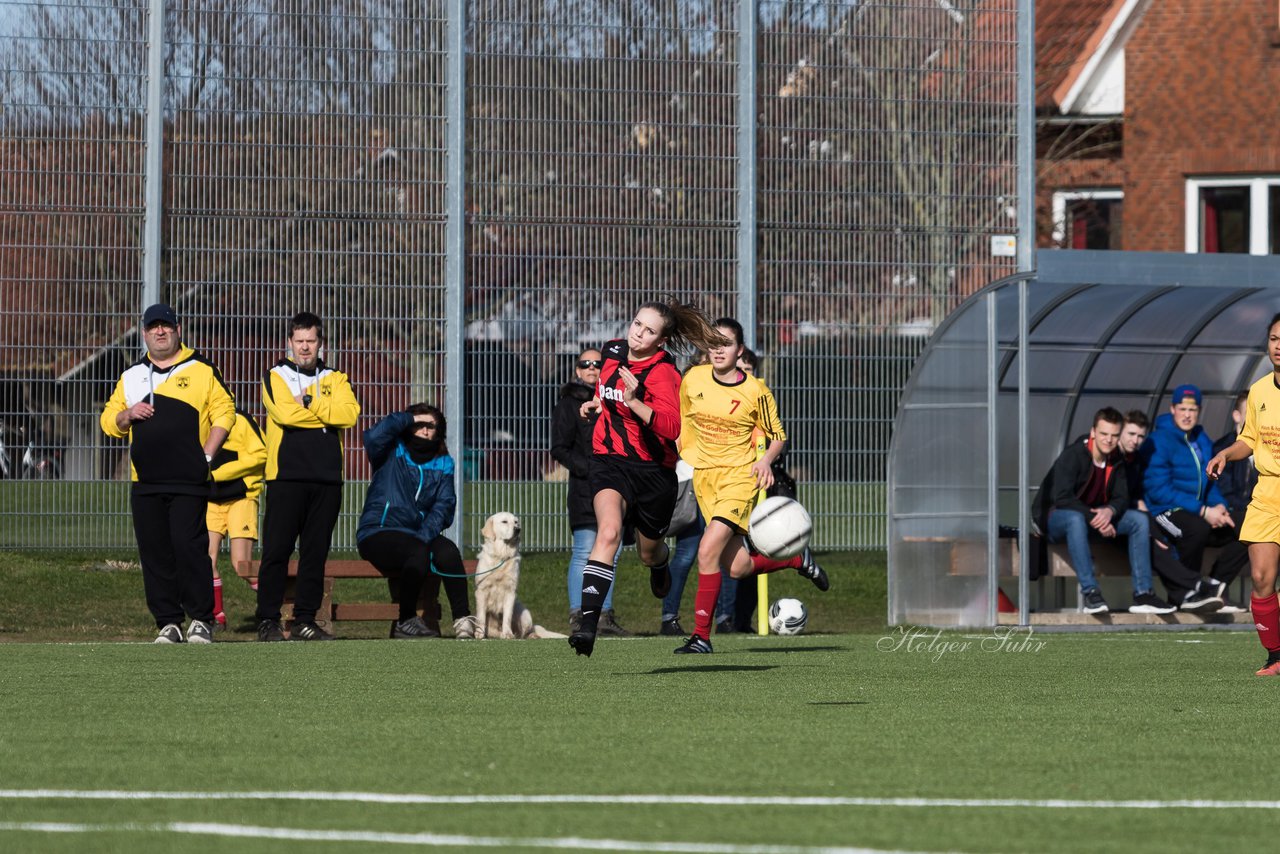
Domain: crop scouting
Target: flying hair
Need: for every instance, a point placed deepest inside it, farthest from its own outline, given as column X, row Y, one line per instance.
column 685, row 326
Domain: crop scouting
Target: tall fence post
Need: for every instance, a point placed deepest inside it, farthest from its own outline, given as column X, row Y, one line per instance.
column 153, row 159
column 455, row 245
column 748, row 13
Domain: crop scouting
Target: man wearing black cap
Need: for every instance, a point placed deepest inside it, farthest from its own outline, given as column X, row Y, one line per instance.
column 1182, row 498
column 308, row 406
column 176, row 411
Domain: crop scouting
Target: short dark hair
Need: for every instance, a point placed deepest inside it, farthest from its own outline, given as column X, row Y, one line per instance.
column 1138, row 418
column 749, row 356
column 1109, row 414
column 1274, row 320
column 442, row 426
column 306, row 320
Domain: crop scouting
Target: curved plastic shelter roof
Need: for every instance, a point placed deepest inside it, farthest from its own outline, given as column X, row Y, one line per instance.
column 1094, row 329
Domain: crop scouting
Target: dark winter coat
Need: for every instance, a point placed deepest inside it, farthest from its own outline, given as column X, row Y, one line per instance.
column 571, row 447
column 1063, row 485
column 414, row 498
column 1238, row 477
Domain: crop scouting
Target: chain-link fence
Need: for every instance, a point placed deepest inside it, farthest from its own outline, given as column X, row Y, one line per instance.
column 484, row 206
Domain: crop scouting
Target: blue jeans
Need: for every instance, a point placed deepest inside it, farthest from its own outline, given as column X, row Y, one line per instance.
column 583, row 540
column 1073, row 527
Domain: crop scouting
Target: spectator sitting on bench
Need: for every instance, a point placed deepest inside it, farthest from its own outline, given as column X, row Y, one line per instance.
column 410, row 502
column 1182, row 499
column 1086, row 495
column 1180, row 582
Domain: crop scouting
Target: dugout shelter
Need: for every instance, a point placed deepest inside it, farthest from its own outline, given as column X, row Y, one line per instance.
column 975, row 434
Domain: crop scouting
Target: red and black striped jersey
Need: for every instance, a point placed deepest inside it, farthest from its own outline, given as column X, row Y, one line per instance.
column 618, row 430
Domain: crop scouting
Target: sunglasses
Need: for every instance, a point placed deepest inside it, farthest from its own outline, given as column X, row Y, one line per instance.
column 425, row 425
column 591, row 363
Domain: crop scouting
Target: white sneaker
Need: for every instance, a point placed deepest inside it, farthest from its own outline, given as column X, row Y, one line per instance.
column 199, row 632
column 464, row 628
column 171, row 633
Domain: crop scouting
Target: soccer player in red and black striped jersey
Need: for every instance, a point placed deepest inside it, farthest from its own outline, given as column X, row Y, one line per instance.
column 633, row 478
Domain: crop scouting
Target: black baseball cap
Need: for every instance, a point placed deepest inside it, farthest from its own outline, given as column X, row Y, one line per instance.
column 159, row 313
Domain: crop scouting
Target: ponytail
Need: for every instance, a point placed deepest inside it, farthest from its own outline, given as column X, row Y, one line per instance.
column 686, row 326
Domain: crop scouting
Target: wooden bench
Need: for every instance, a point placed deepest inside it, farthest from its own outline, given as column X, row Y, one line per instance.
column 332, row 611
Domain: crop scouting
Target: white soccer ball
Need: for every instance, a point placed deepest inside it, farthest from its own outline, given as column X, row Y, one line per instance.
column 787, row 617
column 780, row 527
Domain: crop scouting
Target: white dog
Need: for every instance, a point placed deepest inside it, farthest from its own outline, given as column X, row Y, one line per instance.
column 498, row 611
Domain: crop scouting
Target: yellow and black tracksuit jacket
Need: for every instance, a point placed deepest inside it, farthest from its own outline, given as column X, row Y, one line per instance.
column 238, row 467
column 304, row 443
column 166, row 451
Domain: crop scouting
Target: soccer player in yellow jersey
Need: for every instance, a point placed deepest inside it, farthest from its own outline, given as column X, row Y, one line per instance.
column 720, row 409
column 1261, row 528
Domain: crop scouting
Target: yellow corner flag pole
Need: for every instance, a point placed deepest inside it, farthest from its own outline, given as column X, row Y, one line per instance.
column 762, row 604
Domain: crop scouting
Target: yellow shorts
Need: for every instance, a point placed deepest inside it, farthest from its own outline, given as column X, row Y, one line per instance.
column 728, row 493
column 239, row 518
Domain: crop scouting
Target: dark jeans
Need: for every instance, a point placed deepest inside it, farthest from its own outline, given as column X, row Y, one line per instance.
column 1192, row 535
column 407, row 562
column 173, row 548
column 301, row 513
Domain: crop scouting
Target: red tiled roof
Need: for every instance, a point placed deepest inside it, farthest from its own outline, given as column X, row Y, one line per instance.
column 1067, row 32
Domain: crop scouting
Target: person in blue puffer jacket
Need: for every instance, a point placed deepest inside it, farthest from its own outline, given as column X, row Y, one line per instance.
column 411, row 501
column 1182, row 498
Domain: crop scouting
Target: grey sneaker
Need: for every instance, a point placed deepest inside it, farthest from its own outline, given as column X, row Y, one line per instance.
column 464, row 628
column 269, row 631
column 694, row 645
column 1094, row 603
column 309, row 632
column 199, row 632
column 171, row 633
column 608, row 626
column 575, row 621
column 414, row 628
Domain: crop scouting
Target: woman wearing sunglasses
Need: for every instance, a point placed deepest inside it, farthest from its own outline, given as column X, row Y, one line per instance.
column 571, row 447
column 410, row 502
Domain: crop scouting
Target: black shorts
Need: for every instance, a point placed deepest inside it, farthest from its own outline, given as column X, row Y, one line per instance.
column 649, row 490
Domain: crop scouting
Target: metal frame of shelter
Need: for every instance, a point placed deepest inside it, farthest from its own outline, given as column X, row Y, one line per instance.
column 975, row 433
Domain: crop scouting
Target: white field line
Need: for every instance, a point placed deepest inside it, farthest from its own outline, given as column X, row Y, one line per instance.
column 624, row 800
column 436, row 840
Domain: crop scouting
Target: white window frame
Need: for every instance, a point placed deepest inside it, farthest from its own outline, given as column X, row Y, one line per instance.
column 1259, row 215
column 1061, row 198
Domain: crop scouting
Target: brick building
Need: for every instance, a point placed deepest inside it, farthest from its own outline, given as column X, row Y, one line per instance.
column 1159, row 128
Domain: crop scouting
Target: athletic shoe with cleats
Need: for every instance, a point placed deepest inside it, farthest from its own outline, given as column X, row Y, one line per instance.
column 269, row 631
column 672, row 628
column 1093, row 603
column 1271, row 668
column 1150, row 603
column 414, row 628
column 309, row 632
column 608, row 626
column 464, row 628
column 660, row 580
column 813, row 572
column 694, row 646
column 220, row 621
column 1200, row 602
column 583, row 642
column 199, row 632
column 171, row 633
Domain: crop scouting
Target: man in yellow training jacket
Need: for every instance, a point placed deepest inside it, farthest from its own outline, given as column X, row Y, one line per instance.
column 175, row 410
column 308, row 406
